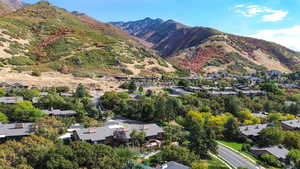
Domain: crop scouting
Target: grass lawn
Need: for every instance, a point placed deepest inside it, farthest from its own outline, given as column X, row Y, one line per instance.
column 216, row 164
column 238, row 147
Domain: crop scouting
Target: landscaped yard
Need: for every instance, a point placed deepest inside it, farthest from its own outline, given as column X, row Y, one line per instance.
column 216, row 164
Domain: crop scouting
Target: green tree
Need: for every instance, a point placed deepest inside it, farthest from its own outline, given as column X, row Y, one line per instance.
column 200, row 165
column 271, row 136
column 294, row 156
column 131, row 165
column 138, row 137
column 28, row 94
column 81, row 91
column 178, row 154
column 271, row 87
column 26, row 112
column 132, row 86
column 271, row 160
column 232, row 105
column 54, row 101
column 3, row 118
column 292, row 139
column 202, row 138
column 231, row 130
column 2, row 92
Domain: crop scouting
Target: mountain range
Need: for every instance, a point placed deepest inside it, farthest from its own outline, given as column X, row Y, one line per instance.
column 42, row 37
column 205, row 49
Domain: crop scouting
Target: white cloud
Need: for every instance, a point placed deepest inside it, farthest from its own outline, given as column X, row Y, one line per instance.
column 289, row 37
column 267, row 14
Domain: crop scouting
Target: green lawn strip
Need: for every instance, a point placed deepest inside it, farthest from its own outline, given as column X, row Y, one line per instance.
column 238, row 147
column 217, row 163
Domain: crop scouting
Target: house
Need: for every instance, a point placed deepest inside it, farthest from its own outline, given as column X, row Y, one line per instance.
column 222, row 93
column 10, row 100
column 291, row 124
column 66, row 94
column 278, row 151
column 261, row 114
column 274, row 73
column 121, row 78
column 252, row 131
column 16, row 130
column 251, row 92
column 179, row 92
column 173, row 165
column 8, row 86
column 35, row 100
column 44, row 93
column 60, row 113
column 118, row 129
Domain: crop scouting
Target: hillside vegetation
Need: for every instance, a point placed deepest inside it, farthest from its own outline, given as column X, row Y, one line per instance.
column 201, row 49
column 42, row 37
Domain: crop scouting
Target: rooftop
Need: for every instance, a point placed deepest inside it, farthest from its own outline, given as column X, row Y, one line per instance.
column 16, row 129
column 292, row 123
column 277, row 151
column 10, row 100
column 173, row 165
column 252, row 130
column 115, row 124
column 57, row 112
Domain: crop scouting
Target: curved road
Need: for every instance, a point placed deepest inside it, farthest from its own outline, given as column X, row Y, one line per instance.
column 234, row 159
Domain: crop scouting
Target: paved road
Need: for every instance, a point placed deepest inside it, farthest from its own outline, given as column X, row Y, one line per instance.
column 234, row 159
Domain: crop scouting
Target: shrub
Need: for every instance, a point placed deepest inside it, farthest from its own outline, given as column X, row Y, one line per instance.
column 35, row 73
column 127, row 71
column 271, row 160
column 20, row 61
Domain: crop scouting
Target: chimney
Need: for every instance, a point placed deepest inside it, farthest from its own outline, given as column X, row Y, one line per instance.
column 91, row 130
column 164, row 166
column 19, row 125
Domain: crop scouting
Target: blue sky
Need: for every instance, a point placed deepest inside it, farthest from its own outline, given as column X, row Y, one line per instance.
column 274, row 20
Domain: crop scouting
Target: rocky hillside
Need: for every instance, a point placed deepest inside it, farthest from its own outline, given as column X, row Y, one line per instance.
column 42, row 37
column 204, row 49
column 7, row 6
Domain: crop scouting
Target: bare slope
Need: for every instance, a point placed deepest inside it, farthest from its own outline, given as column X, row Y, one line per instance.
column 205, row 49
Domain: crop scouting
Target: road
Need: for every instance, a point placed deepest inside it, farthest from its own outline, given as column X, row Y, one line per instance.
column 234, row 159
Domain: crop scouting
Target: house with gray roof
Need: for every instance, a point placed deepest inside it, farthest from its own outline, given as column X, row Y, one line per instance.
column 10, row 100
column 66, row 94
column 291, row 124
column 114, row 131
column 222, row 93
column 252, row 131
column 60, row 113
column 278, row 151
column 16, row 130
column 173, row 165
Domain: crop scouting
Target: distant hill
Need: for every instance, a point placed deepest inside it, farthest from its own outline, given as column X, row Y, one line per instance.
column 42, row 37
column 7, row 6
column 201, row 49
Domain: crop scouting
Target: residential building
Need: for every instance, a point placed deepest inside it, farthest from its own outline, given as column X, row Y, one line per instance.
column 173, row 165
column 252, row 131
column 119, row 130
column 60, row 113
column 291, row 124
column 16, row 130
column 278, row 151
column 10, row 100
column 66, row 94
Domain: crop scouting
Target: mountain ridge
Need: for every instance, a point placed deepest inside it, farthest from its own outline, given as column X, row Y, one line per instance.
column 42, row 37
column 205, row 49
